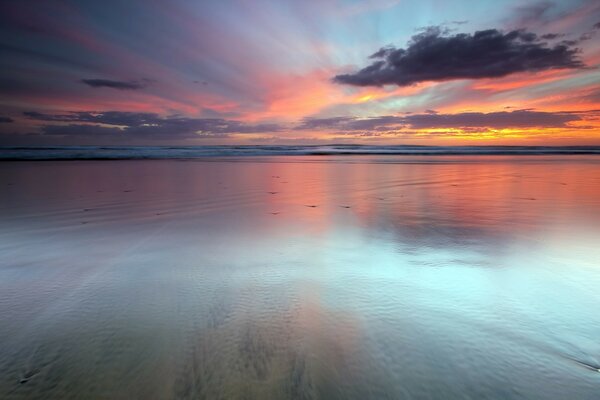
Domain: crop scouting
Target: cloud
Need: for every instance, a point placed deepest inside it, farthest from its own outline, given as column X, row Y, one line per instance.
column 386, row 122
column 100, row 132
column 81, row 130
column 493, row 120
column 134, row 125
column 107, row 117
column 120, row 85
column 590, row 33
column 552, row 36
column 431, row 120
column 432, row 55
column 142, row 125
column 6, row 120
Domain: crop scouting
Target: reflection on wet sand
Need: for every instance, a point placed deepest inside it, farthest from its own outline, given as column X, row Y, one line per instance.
column 355, row 277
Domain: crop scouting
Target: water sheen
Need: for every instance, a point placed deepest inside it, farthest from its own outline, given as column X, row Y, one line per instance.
column 301, row 277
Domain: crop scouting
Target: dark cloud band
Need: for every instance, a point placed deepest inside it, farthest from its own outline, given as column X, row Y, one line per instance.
column 120, row 85
column 432, row 120
column 434, row 56
column 386, row 122
column 143, row 125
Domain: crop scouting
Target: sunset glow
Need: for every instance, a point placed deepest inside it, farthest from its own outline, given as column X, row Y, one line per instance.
column 241, row 73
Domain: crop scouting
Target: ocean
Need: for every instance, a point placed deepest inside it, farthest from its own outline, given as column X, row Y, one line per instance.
column 301, row 273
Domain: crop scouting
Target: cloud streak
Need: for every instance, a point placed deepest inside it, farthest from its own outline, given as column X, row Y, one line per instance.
column 119, row 85
column 430, row 120
column 382, row 123
column 433, row 55
column 494, row 120
column 142, row 125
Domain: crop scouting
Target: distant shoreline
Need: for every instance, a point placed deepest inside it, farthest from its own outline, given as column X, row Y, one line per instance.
column 66, row 153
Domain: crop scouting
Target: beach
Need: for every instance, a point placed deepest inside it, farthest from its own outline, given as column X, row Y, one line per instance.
column 301, row 276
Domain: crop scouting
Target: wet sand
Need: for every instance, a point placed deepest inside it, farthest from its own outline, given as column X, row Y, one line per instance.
column 301, row 277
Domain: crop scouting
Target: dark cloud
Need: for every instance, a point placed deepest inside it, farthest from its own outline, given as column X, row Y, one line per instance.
column 590, row 34
column 494, row 120
column 81, row 130
column 6, row 120
column 108, row 117
column 143, row 125
column 552, row 36
column 120, row 85
column 432, row 119
column 101, row 132
column 326, row 123
column 386, row 122
column 434, row 56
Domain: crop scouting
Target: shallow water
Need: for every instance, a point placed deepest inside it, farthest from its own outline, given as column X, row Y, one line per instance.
column 309, row 277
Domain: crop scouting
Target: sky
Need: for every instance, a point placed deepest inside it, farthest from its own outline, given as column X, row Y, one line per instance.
column 185, row 72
